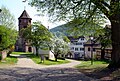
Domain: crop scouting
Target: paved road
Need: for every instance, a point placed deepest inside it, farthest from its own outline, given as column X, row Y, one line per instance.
column 48, row 74
column 25, row 71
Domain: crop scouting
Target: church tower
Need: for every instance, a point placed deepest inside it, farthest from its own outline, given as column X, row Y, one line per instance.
column 23, row 21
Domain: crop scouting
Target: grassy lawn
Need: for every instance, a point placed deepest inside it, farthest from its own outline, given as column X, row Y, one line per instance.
column 98, row 70
column 96, row 65
column 21, row 53
column 52, row 62
column 9, row 60
column 37, row 60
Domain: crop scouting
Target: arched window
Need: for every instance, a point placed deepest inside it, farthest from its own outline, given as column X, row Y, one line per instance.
column 29, row 21
column 30, row 49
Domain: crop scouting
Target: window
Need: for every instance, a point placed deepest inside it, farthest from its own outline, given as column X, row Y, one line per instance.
column 29, row 21
column 78, row 43
column 72, row 48
column 88, row 49
column 25, row 21
column 93, row 49
column 76, row 49
column 81, row 49
column 82, row 38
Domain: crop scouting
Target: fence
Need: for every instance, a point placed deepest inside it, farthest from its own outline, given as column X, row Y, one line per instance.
column 107, row 54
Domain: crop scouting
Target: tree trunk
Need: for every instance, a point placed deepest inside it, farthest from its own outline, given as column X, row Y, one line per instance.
column 36, row 51
column 56, row 55
column 115, row 27
column 103, row 54
column 8, row 54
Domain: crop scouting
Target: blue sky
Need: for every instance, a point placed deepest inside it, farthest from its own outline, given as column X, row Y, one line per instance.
column 16, row 7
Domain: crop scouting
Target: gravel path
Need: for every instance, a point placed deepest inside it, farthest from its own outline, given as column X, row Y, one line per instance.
column 27, row 70
column 24, row 61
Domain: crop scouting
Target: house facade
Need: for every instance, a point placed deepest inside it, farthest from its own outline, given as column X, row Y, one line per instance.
column 91, row 48
column 76, row 47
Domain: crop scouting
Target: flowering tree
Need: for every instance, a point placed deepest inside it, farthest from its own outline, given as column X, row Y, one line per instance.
column 59, row 45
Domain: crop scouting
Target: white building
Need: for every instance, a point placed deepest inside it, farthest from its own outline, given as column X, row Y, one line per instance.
column 76, row 47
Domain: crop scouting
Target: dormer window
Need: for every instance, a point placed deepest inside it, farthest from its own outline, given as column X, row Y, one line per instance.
column 82, row 38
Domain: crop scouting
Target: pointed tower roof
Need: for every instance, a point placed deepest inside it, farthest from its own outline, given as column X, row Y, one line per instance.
column 24, row 15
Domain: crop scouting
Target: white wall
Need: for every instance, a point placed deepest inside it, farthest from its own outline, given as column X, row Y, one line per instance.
column 44, row 52
column 88, row 53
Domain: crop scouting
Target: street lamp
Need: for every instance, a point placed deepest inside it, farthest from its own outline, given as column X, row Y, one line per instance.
column 91, row 38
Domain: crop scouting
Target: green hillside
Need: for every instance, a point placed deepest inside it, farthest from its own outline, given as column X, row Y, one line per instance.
column 62, row 28
column 70, row 29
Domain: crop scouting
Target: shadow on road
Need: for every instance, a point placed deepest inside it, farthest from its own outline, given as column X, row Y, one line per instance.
column 48, row 74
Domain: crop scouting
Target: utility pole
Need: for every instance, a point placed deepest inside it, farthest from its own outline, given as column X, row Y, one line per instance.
column 0, row 35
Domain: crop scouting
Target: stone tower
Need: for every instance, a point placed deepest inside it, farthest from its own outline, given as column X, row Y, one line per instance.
column 22, row 44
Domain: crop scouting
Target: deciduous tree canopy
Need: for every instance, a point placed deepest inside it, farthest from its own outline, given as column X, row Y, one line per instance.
column 70, row 9
column 8, row 34
column 8, row 37
column 6, row 18
column 37, row 35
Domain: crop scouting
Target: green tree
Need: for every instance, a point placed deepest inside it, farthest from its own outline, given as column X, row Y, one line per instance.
column 40, row 37
column 6, row 18
column 76, row 28
column 37, row 35
column 8, row 34
column 4, row 33
column 61, row 9
column 105, row 40
column 8, row 37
